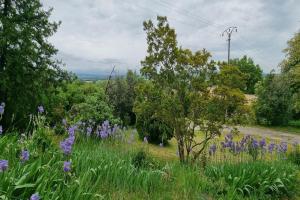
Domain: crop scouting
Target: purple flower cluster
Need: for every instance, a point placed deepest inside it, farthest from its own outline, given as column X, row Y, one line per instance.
column 105, row 130
column 249, row 144
column 212, row 149
column 272, row 147
column 3, row 165
column 41, row 109
column 234, row 147
column 89, row 131
column 2, row 107
column 24, row 155
column 67, row 166
column 66, row 145
column 35, row 197
column 282, row 147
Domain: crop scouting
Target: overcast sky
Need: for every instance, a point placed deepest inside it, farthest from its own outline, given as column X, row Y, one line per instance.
column 97, row 34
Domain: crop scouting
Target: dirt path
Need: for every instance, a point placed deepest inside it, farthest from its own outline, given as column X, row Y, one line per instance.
column 268, row 133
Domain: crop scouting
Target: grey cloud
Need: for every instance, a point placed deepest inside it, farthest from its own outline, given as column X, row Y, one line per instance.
column 96, row 34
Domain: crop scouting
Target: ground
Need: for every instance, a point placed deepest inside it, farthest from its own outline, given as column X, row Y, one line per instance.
column 289, row 137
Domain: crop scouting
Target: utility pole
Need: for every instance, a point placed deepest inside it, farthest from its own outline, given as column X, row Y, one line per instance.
column 229, row 32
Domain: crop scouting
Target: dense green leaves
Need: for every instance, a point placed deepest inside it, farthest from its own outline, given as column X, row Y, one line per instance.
column 28, row 72
column 121, row 94
column 252, row 73
column 180, row 91
column 273, row 106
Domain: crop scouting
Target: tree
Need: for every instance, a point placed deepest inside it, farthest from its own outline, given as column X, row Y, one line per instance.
column 273, row 106
column 148, row 123
column 252, row 73
column 28, row 72
column 290, row 67
column 182, row 81
column 121, row 95
column 229, row 84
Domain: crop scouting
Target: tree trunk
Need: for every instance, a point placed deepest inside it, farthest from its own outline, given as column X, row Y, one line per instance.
column 181, row 150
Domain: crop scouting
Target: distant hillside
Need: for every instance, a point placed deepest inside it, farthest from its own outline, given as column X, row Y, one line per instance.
column 92, row 77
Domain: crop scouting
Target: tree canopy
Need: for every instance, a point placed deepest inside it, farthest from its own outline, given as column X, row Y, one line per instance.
column 183, row 94
column 252, row 73
column 28, row 71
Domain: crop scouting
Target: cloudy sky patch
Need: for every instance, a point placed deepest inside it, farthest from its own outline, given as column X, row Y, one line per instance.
column 97, row 34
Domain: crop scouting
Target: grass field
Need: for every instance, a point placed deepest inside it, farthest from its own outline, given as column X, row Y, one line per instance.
column 132, row 169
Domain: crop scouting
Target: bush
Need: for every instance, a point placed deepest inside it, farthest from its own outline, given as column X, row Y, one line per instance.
column 155, row 130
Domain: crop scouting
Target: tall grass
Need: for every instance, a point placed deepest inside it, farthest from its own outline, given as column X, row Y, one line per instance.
column 105, row 170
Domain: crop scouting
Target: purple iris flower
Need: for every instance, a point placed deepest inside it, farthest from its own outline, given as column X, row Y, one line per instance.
column 24, row 155
column 66, row 145
column 88, row 131
column 282, row 148
column 255, row 143
column 3, row 165
column 67, row 166
column 2, row 106
column 212, row 149
column 35, row 197
column 262, row 143
column 271, row 147
column 228, row 137
column 41, row 109
column 71, row 131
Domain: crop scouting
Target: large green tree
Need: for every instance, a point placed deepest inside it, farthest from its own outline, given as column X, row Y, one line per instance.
column 252, row 73
column 274, row 102
column 183, row 95
column 121, row 93
column 290, row 67
column 28, row 72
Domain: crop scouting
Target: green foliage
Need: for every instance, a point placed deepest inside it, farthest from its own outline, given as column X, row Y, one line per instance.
column 260, row 180
column 230, row 82
column 294, row 155
column 80, row 101
column 180, row 90
column 105, row 170
column 29, row 73
column 155, row 130
column 231, row 77
column 290, row 67
column 273, row 106
column 121, row 93
column 252, row 73
column 141, row 159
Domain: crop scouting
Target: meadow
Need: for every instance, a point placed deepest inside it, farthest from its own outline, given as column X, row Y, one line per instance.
column 115, row 164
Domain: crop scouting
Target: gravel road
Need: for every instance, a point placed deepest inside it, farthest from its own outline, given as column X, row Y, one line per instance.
column 268, row 133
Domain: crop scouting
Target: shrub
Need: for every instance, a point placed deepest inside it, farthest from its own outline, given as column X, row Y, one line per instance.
column 142, row 160
column 155, row 130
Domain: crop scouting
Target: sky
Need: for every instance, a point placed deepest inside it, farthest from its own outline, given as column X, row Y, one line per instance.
column 95, row 35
